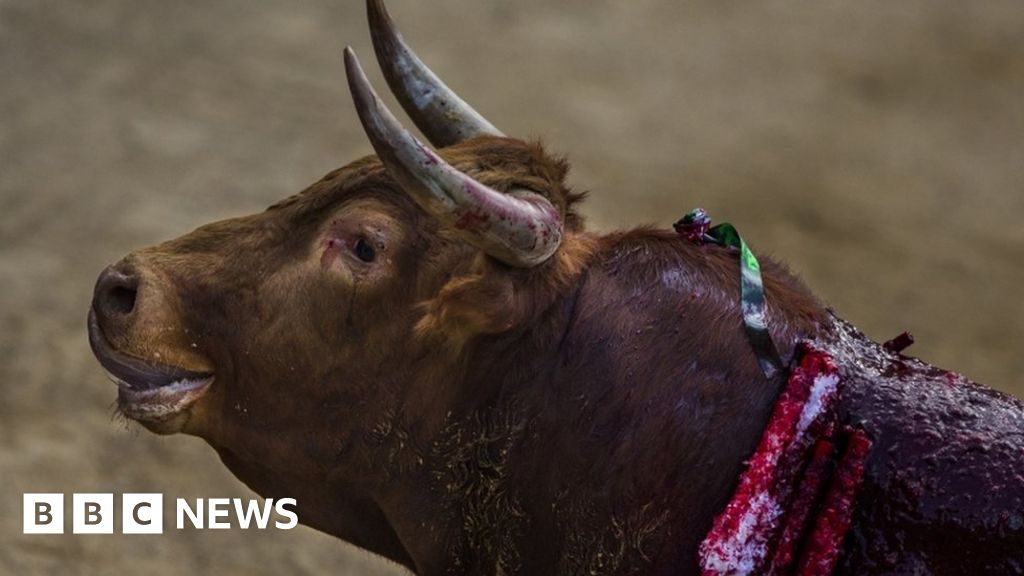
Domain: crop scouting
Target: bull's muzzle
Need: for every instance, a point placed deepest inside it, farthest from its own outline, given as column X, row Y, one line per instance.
column 135, row 336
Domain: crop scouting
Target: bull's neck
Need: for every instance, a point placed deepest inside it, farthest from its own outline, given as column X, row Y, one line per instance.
column 628, row 405
column 452, row 445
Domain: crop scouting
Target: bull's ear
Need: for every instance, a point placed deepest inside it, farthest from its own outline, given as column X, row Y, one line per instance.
column 481, row 301
column 492, row 298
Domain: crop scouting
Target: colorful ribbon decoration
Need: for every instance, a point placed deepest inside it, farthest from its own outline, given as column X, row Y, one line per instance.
column 696, row 227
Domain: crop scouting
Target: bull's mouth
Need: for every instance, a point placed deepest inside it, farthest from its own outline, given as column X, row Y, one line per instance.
column 147, row 391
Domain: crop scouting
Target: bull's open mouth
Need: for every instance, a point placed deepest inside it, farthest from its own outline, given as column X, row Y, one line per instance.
column 147, row 391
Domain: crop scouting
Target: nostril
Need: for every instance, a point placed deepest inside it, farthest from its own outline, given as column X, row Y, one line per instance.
column 117, row 292
column 122, row 299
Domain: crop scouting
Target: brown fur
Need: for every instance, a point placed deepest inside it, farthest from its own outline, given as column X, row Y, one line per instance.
column 454, row 414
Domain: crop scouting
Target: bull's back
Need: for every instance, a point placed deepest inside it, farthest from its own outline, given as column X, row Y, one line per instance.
column 944, row 483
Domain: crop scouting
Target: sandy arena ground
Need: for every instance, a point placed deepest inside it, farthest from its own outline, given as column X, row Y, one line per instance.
column 876, row 146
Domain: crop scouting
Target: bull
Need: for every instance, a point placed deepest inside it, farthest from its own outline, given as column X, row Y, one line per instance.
column 435, row 357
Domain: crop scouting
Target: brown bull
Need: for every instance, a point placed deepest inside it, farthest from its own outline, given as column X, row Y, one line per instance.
column 431, row 353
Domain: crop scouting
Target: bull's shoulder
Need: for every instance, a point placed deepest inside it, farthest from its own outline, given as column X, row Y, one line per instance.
column 657, row 271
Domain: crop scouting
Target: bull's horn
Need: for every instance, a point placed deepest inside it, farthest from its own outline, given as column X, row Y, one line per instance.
column 520, row 228
column 442, row 116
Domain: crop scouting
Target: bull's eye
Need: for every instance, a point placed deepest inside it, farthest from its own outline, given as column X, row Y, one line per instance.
column 364, row 251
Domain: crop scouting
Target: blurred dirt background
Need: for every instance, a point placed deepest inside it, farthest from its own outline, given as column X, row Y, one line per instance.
column 876, row 146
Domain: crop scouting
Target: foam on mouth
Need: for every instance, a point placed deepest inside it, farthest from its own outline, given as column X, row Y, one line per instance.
column 157, row 404
column 176, row 386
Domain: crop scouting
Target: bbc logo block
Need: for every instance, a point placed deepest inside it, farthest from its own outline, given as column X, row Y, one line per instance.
column 142, row 514
column 92, row 514
column 43, row 513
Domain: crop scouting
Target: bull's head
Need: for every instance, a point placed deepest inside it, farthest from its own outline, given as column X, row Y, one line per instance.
column 260, row 333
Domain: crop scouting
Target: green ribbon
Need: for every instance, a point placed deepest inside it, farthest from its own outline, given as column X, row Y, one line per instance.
column 694, row 226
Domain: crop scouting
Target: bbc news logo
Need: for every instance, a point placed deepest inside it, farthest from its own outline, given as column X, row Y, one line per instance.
column 144, row 513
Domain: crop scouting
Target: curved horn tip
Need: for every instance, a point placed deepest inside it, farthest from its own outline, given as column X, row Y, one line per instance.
column 442, row 116
column 377, row 10
column 350, row 58
column 358, row 84
column 351, row 61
